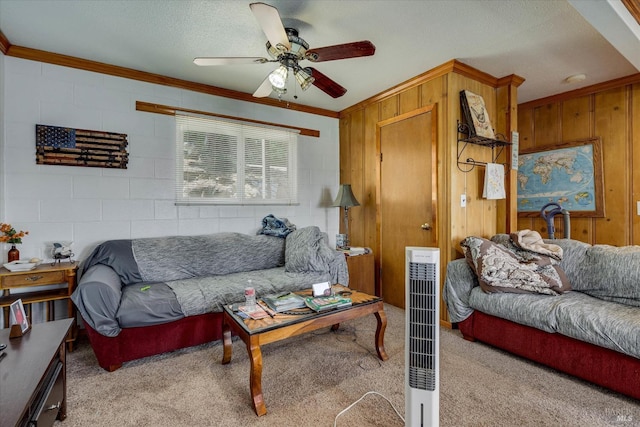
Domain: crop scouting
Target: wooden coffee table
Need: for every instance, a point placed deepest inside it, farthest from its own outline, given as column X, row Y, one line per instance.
column 255, row 333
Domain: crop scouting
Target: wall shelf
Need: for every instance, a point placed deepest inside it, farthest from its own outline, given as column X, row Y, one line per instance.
column 465, row 138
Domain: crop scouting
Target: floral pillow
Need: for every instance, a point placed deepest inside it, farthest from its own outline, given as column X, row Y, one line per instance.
column 501, row 270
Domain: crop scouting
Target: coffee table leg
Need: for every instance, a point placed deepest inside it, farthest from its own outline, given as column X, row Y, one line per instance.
column 227, row 344
column 255, row 377
column 381, row 317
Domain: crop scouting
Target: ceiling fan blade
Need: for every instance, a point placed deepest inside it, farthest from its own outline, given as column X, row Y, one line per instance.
column 206, row 61
column 341, row 51
column 271, row 23
column 325, row 84
column 264, row 90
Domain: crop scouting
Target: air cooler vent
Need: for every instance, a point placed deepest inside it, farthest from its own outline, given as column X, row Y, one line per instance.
column 422, row 326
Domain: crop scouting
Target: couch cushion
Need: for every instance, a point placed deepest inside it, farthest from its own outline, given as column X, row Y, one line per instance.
column 533, row 310
column 307, row 250
column 573, row 260
column 613, row 273
column 145, row 304
column 598, row 322
column 500, row 269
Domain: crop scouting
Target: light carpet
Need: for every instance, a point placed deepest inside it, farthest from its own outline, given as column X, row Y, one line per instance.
column 307, row 380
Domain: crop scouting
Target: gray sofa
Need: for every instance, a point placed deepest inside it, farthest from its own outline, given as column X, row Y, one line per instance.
column 141, row 297
column 591, row 331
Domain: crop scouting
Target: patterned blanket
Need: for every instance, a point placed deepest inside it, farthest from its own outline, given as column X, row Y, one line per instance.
column 506, row 267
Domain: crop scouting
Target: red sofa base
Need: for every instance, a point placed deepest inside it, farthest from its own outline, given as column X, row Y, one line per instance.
column 607, row 368
column 135, row 343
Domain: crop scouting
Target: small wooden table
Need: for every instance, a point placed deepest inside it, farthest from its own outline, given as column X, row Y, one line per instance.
column 44, row 274
column 362, row 272
column 255, row 333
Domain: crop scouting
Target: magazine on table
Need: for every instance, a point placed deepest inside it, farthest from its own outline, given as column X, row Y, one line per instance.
column 327, row 303
column 284, row 302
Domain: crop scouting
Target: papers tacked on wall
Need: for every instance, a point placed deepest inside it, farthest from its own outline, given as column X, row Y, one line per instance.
column 494, row 182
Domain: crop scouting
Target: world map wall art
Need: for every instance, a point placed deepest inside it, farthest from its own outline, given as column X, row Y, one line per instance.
column 570, row 175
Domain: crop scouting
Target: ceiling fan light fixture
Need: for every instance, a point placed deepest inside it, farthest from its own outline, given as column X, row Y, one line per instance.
column 304, row 78
column 279, row 91
column 278, row 77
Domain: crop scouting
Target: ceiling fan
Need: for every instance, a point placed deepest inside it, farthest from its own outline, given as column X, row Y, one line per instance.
column 285, row 47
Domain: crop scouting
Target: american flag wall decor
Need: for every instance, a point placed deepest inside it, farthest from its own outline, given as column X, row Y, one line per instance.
column 57, row 145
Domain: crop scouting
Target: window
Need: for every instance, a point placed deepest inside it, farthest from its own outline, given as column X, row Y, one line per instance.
column 221, row 162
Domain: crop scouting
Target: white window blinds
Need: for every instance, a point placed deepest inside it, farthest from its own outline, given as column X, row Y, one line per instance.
column 220, row 162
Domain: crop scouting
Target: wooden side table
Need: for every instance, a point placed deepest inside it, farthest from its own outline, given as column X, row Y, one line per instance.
column 362, row 272
column 44, row 274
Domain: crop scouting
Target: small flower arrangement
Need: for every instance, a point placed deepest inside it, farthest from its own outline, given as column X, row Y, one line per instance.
column 10, row 235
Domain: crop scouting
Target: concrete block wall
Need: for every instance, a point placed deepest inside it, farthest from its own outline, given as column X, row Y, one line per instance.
column 89, row 205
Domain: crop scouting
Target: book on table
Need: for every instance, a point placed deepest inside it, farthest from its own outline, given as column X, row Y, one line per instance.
column 355, row 250
column 284, row 302
column 257, row 313
column 327, row 303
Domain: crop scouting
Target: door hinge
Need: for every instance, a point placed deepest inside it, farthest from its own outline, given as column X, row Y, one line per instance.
column 380, row 156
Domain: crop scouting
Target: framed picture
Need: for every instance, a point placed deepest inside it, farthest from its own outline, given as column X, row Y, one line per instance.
column 569, row 174
column 18, row 316
column 476, row 115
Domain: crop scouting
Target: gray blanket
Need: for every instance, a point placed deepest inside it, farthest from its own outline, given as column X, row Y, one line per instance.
column 201, row 295
column 586, row 313
column 128, row 283
column 308, row 259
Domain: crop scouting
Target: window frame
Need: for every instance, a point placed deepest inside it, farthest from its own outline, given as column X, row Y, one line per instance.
column 244, row 133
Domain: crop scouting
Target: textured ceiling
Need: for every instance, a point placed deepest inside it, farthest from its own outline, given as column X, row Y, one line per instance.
column 542, row 41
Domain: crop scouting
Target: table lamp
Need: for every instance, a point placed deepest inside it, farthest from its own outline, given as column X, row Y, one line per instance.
column 345, row 199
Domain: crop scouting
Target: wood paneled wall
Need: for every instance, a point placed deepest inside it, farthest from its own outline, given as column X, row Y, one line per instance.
column 612, row 112
column 441, row 86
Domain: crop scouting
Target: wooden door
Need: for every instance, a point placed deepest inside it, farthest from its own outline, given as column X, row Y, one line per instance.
column 407, row 212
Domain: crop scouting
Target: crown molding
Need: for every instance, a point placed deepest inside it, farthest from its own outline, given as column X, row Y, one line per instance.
column 452, row 66
column 4, row 43
column 129, row 73
column 587, row 90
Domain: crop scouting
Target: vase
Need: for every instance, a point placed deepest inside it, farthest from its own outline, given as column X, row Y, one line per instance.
column 14, row 254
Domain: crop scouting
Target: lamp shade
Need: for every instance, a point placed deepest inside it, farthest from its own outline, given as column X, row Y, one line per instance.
column 278, row 77
column 304, row 78
column 345, row 197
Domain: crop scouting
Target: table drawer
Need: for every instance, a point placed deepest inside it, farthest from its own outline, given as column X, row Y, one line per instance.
column 35, row 278
column 51, row 401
